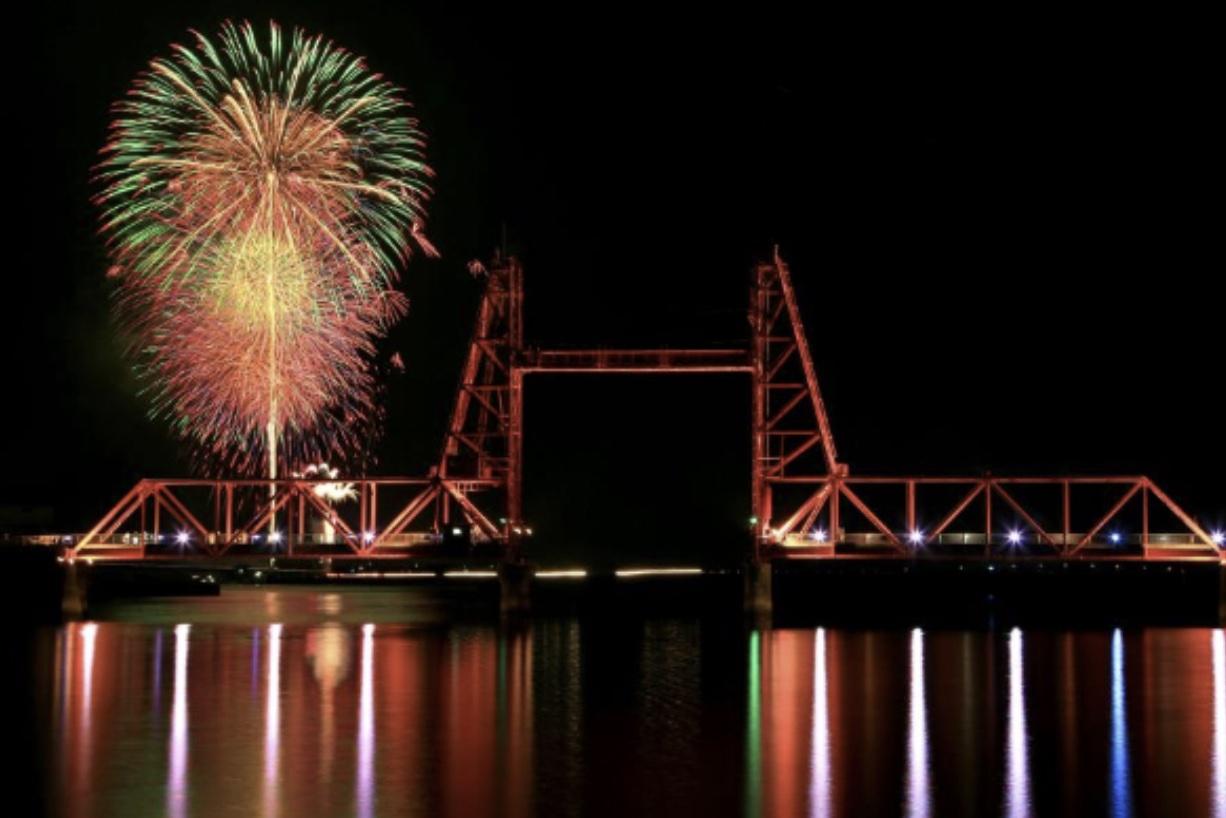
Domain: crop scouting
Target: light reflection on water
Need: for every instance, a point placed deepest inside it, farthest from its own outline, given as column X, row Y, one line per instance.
column 1017, row 759
column 569, row 717
column 1219, row 724
column 176, row 781
column 272, row 724
column 89, row 639
column 328, row 649
column 1121, row 767
column 919, row 795
column 366, row 726
column 819, row 764
column 753, row 729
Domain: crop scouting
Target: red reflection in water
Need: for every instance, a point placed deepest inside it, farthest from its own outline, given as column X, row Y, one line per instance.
column 452, row 720
column 799, row 707
column 787, row 694
column 425, row 726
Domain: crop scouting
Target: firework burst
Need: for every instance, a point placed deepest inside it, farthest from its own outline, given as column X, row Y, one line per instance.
column 259, row 197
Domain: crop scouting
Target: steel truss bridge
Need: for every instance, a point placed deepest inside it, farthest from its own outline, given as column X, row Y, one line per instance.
column 805, row 502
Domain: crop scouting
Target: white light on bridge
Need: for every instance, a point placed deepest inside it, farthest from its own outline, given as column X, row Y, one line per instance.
column 916, row 537
column 368, row 537
column 1115, row 538
column 274, row 537
column 1015, row 537
column 183, row 538
column 656, row 572
column 1219, row 537
column 818, row 535
column 457, row 532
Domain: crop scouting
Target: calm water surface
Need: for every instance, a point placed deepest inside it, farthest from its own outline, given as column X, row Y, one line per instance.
column 305, row 702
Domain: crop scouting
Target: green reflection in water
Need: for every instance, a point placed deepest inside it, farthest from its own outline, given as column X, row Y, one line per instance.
column 753, row 739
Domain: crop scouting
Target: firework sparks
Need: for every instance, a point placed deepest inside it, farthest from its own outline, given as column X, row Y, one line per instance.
column 259, row 197
column 336, row 492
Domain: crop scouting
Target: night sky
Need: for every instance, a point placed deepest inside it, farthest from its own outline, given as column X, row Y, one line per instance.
column 1000, row 229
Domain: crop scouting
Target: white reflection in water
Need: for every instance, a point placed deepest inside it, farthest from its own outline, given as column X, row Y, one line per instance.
column 919, row 788
column 1121, row 775
column 1219, row 724
column 89, row 634
column 272, row 721
column 819, row 751
column 1017, row 752
column 176, row 783
column 366, row 726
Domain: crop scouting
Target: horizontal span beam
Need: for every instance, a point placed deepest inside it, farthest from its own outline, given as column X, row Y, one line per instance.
column 870, row 480
column 632, row 361
column 288, row 482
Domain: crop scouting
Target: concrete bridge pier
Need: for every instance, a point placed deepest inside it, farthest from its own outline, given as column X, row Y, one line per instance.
column 1221, row 594
column 758, row 597
column 515, row 587
column 75, row 594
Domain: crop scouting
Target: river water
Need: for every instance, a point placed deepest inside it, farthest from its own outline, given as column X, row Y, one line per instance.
column 291, row 702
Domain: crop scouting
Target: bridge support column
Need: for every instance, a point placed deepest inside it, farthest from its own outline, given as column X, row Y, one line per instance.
column 1221, row 594
column 758, row 596
column 74, row 598
column 515, row 587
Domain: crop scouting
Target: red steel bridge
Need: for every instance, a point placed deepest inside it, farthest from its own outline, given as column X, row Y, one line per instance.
column 806, row 503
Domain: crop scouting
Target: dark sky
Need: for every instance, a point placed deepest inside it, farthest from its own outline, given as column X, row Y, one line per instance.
column 1000, row 229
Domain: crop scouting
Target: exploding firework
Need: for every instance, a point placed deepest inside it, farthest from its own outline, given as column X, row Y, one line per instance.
column 259, row 197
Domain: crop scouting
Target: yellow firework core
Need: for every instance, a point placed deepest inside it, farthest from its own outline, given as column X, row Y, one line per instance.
column 259, row 278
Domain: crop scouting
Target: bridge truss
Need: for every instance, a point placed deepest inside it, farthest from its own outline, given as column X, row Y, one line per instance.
column 805, row 503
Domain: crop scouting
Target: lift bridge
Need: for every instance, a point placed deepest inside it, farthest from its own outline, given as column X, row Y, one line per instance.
column 806, row 504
